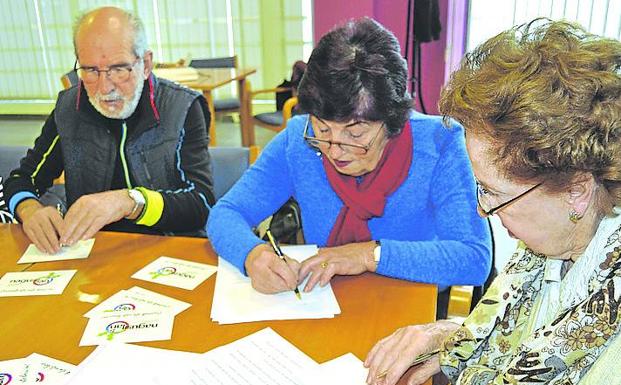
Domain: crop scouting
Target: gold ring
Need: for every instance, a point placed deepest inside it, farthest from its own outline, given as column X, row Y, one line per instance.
column 323, row 264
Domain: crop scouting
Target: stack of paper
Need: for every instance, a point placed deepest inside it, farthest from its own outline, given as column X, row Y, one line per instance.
column 34, row 369
column 262, row 358
column 235, row 300
column 133, row 315
column 266, row 358
column 118, row 363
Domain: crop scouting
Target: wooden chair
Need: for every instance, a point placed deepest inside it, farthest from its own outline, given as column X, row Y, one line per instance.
column 276, row 120
column 227, row 105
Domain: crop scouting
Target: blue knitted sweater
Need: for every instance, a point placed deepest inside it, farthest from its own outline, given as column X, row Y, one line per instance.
column 430, row 231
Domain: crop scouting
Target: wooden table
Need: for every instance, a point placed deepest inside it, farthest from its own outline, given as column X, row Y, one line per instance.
column 371, row 306
column 210, row 79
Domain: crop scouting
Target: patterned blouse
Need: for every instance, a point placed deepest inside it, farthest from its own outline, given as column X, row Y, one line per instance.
column 532, row 327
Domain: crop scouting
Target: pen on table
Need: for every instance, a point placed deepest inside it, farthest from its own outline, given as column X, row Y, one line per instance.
column 281, row 256
column 418, row 360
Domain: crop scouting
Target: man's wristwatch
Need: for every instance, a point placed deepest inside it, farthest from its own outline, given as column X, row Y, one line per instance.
column 139, row 203
column 377, row 252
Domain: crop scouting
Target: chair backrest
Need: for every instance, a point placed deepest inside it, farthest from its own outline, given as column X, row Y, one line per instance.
column 69, row 79
column 216, row 62
column 228, row 165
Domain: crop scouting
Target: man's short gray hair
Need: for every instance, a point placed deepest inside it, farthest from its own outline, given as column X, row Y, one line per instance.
column 140, row 37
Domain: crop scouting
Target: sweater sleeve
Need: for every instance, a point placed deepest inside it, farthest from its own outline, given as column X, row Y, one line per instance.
column 262, row 190
column 38, row 169
column 187, row 208
column 461, row 252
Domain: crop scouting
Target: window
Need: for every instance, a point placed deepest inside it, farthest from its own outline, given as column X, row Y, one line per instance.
column 490, row 17
column 36, row 37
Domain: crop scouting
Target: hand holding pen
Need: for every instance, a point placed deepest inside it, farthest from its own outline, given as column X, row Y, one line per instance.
column 281, row 256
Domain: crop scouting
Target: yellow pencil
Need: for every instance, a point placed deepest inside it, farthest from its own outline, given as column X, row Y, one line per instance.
column 281, row 256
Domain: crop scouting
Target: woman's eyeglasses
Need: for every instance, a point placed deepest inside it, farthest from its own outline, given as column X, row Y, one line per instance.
column 482, row 207
column 352, row 148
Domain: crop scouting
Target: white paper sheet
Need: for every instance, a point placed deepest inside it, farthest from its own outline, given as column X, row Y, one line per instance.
column 35, row 283
column 79, row 250
column 235, row 300
column 175, row 272
column 258, row 359
column 47, row 370
column 13, row 371
column 128, row 327
column 117, row 363
column 137, row 299
column 344, row 370
column 34, row 369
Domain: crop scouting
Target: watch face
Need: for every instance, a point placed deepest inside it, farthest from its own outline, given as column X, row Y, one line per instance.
column 137, row 196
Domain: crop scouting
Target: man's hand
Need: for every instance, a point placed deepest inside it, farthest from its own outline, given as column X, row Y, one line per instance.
column 42, row 224
column 350, row 259
column 270, row 274
column 92, row 212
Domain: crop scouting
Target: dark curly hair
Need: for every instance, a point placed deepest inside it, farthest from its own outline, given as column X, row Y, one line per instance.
column 356, row 72
column 547, row 95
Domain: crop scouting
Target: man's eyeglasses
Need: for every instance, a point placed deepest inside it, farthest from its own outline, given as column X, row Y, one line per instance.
column 483, row 194
column 352, row 148
column 117, row 73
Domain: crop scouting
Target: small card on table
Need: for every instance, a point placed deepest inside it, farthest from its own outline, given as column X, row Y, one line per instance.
column 26, row 283
column 175, row 272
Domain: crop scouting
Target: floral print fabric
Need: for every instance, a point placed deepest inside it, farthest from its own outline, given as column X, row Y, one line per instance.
column 492, row 347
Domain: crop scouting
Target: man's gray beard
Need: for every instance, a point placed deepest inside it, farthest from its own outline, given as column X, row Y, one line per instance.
column 128, row 106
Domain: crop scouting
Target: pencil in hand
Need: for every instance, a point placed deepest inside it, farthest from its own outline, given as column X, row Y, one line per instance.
column 281, row 256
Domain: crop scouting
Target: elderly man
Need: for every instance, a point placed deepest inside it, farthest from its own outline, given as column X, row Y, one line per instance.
column 133, row 147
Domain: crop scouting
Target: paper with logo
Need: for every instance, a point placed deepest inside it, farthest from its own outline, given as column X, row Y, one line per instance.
column 175, row 272
column 138, row 299
column 79, row 250
column 35, row 283
column 235, row 300
column 130, row 364
column 128, row 327
column 260, row 358
column 13, row 371
column 47, row 370
column 344, row 370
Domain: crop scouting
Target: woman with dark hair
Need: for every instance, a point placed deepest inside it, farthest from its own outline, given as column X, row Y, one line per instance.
column 381, row 188
column 541, row 106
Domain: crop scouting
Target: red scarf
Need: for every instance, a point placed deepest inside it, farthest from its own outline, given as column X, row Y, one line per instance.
column 365, row 200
